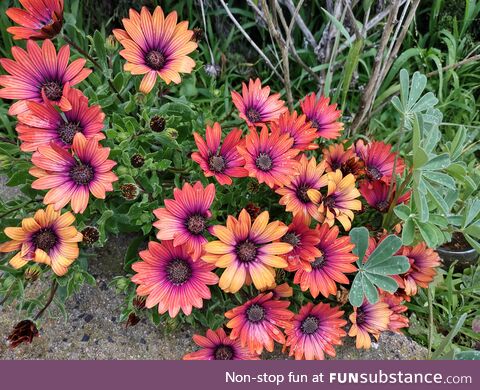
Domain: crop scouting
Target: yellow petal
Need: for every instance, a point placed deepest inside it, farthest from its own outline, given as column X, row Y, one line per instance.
column 218, row 247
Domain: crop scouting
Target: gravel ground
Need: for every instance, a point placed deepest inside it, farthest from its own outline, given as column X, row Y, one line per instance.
column 93, row 331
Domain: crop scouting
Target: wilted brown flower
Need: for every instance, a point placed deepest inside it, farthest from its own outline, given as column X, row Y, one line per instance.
column 129, row 191
column 137, row 161
column 23, row 332
column 253, row 210
column 157, row 123
column 132, row 320
column 90, row 235
column 197, row 34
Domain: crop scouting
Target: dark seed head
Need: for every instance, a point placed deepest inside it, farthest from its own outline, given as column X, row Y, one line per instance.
column 253, row 210
column 129, row 191
column 23, row 332
column 216, row 164
column 196, row 224
column 157, row 123
column 246, row 251
column 309, row 325
column 329, row 202
column 137, row 161
column 302, row 193
column 155, row 59
column 45, row 239
column 82, row 174
column 291, row 238
column 374, row 173
column 255, row 313
column 53, row 90
column 90, row 235
column 67, row 131
column 264, row 162
column 224, row 352
column 360, row 317
column 318, row 262
column 178, row 272
column 253, row 115
column 197, row 34
column 253, row 186
column 383, row 206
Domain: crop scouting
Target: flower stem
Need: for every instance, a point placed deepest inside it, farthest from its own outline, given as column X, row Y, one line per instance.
column 53, row 290
column 19, row 207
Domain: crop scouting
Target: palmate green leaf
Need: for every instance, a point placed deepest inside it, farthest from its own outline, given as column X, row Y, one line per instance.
column 359, row 237
column 408, row 232
column 374, row 273
column 402, row 211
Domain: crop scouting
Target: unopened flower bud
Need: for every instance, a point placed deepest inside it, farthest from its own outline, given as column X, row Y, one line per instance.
column 32, row 273
column 253, row 186
column 172, row 133
column 111, row 43
column 139, row 302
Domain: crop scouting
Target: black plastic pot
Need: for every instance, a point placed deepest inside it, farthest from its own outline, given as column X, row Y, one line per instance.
column 464, row 258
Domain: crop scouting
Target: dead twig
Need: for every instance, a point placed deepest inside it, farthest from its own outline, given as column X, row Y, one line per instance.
column 250, row 40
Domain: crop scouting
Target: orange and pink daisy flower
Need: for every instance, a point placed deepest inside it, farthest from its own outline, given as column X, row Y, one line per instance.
column 184, row 219
column 71, row 177
column 369, row 319
column 220, row 161
column 397, row 319
column 423, row 267
column 322, row 115
column 376, row 194
column 269, row 157
column 328, row 269
column 39, row 74
column 42, row 123
column 47, row 238
column 379, row 160
column 298, row 128
column 295, row 194
column 337, row 157
column 170, row 278
column 304, row 241
column 247, row 251
column 340, row 200
column 258, row 322
column 40, row 19
column 156, row 45
column 315, row 332
column 216, row 345
column 256, row 105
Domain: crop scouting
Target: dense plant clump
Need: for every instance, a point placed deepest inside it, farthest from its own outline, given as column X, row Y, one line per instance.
column 264, row 222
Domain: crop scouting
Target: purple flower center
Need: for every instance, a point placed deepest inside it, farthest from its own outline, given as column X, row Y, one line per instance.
column 329, row 202
column 246, row 251
column 315, row 123
column 255, row 313
column 309, row 325
column 82, row 174
column 45, row 239
column 253, row 115
column 155, row 59
column 319, row 262
column 302, row 193
column 224, row 352
column 361, row 316
column 292, row 239
column 216, row 164
column 264, row 162
column 67, row 130
column 179, row 271
column 196, row 224
column 383, row 206
column 53, row 90
column 374, row 173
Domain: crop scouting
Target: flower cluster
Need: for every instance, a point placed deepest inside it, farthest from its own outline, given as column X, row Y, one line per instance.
column 56, row 123
column 280, row 149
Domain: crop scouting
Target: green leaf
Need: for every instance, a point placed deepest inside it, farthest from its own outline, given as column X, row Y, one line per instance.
column 408, row 232
column 359, row 237
column 355, row 296
column 390, row 245
column 402, row 211
column 467, row 355
column 99, row 44
column 384, row 282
